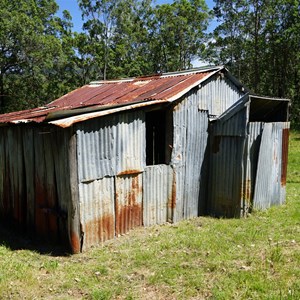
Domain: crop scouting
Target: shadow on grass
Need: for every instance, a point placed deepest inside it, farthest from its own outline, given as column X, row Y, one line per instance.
column 14, row 239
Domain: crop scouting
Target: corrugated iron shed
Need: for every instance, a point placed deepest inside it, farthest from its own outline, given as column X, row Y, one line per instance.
column 248, row 151
column 118, row 154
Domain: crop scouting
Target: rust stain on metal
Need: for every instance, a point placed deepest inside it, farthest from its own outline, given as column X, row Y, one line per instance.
column 216, row 144
column 129, row 172
column 284, row 158
column 248, row 191
column 172, row 201
column 181, row 85
column 75, row 242
column 111, row 93
column 102, row 227
column 129, row 215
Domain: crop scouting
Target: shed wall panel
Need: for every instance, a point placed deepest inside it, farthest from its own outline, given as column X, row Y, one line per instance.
column 128, row 202
column 36, row 186
column 269, row 189
column 111, row 145
column 250, row 163
column 97, row 210
column 29, row 165
column 189, row 148
column 157, row 194
column 45, row 188
column 2, row 171
column 130, row 143
column 234, row 126
column 226, row 176
column 217, row 94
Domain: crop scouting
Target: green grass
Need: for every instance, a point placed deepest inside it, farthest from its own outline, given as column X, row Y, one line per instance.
column 202, row 258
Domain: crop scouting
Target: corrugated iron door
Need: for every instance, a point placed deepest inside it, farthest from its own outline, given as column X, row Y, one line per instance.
column 128, row 202
column 97, row 210
column 12, row 204
column 46, row 202
column 250, row 164
column 157, row 194
column 271, row 167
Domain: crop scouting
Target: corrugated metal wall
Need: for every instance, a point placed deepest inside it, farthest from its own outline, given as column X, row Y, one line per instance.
column 157, row 194
column 189, row 147
column 250, row 162
column 35, row 188
column 128, row 202
column 111, row 145
column 226, row 164
column 271, row 167
column 217, row 94
column 111, row 157
column 226, row 176
column 97, row 210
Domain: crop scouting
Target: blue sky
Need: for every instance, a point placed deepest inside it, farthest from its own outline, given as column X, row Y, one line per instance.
column 72, row 7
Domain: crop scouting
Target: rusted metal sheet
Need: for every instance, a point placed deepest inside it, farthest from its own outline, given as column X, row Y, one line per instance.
column 107, row 92
column 36, row 114
column 269, row 189
column 189, row 147
column 97, row 211
column 86, row 114
column 75, row 234
column 166, row 87
column 35, row 190
column 157, row 194
column 284, row 154
column 219, row 93
column 111, row 146
column 128, row 202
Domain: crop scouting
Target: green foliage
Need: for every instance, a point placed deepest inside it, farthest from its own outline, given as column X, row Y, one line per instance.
column 34, row 53
column 177, row 34
column 131, row 37
column 260, row 43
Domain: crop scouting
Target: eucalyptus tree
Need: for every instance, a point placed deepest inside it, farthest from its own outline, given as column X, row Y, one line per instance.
column 178, row 34
column 134, row 37
column 259, row 40
column 130, row 42
column 31, row 52
column 99, row 21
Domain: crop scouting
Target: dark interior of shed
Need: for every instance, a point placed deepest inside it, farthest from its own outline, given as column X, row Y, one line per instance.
column 159, row 136
column 268, row 110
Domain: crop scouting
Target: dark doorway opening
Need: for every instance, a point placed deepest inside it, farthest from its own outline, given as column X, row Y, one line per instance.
column 156, row 141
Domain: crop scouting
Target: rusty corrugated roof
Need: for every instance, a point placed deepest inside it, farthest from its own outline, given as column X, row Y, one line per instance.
column 112, row 93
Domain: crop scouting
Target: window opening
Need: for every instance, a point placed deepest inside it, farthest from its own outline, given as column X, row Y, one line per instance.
column 156, row 137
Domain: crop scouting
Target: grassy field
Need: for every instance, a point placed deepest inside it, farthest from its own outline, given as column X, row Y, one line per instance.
column 203, row 258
